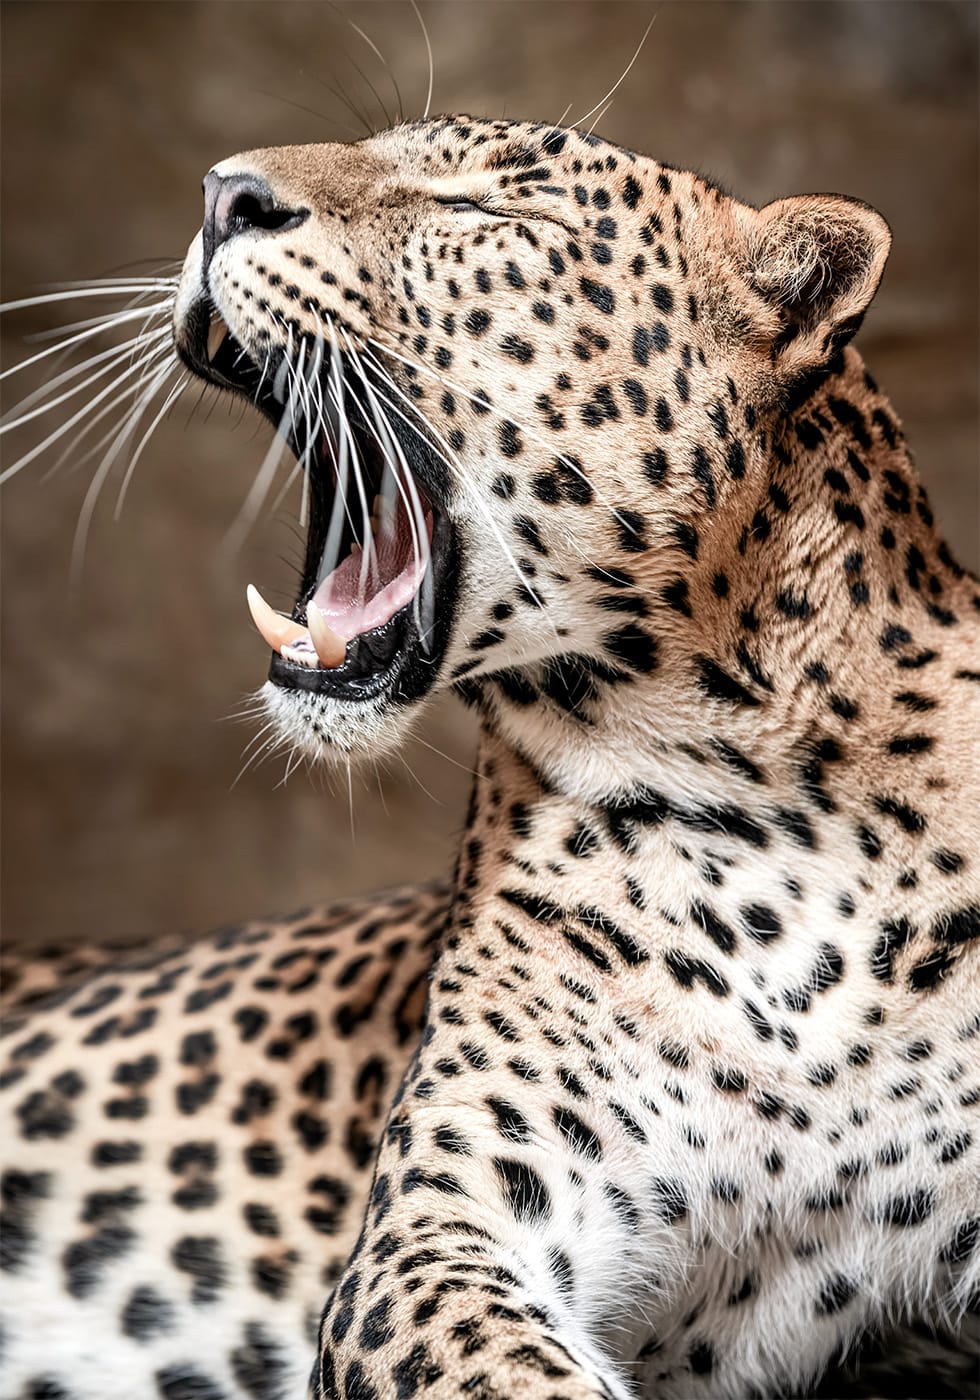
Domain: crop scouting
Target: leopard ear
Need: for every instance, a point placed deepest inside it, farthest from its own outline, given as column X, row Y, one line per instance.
column 816, row 261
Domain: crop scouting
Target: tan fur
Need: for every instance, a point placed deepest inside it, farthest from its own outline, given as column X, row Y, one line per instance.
column 693, row 1110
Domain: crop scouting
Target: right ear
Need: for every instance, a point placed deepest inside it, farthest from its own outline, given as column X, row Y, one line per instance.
column 816, row 261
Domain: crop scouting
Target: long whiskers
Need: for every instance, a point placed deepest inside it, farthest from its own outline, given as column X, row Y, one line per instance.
column 446, row 455
column 428, row 50
column 401, row 475
column 622, row 77
column 525, row 428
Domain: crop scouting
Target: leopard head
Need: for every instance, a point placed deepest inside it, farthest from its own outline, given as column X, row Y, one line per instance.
column 520, row 367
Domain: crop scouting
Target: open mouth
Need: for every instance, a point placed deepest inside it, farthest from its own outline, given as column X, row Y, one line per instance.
column 374, row 608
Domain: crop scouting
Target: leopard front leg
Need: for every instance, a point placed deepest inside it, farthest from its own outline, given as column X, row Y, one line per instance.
column 462, row 1282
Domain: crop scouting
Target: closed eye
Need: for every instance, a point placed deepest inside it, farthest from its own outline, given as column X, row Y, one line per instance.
column 468, row 206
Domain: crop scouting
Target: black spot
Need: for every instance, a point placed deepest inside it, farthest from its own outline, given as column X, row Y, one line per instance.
column 796, row 824
column 20, row 1193
column 687, row 971
column 204, row 997
column 836, row 1292
column 146, row 1314
column 510, row 1121
column 44, row 1114
column 182, row 1381
column 509, row 439
column 960, row 926
column 251, row 1021
column 576, row 1133
column 261, row 1220
column 524, row 1191
column 631, row 192
column 761, row 923
column 520, row 350
column 962, row 1242
column 598, row 295
column 907, row 1209
column 112, row 1154
column 720, row 685
column 906, row 817
column 655, row 466
column 198, row 1048
column 200, row 1256
column 703, row 474
column 896, row 934
column 259, row 1366
column 84, row 1260
column 662, row 298
column 633, row 647
column 669, row 1199
column 262, row 1159
column 716, row 929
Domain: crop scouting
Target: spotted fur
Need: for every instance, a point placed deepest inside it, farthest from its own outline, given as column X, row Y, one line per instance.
column 693, row 1106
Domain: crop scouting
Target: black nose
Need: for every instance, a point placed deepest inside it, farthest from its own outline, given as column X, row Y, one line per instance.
column 239, row 204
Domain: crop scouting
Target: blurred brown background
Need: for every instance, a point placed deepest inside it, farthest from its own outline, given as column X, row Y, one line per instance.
column 119, row 817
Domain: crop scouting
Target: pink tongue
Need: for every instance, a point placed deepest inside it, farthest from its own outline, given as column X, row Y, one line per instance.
column 391, row 581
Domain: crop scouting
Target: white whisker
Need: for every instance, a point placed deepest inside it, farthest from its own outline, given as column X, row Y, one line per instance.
column 172, row 396
column 75, row 418
column 259, row 490
column 105, row 466
column 86, row 291
column 490, row 408
column 413, row 506
column 592, row 111
column 84, row 333
column 455, row 467
column 423, row 602
column 374, row 48
column 428, row 50
column 111, row 358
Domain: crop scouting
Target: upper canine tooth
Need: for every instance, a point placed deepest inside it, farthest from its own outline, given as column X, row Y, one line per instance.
column 277, row 630
column 216, row 335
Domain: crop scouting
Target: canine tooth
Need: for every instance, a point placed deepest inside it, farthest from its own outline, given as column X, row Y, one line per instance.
column 277, row 630
column 216, row 335
column 330, row 648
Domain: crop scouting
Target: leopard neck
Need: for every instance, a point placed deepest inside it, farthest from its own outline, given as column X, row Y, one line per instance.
column 791, row 628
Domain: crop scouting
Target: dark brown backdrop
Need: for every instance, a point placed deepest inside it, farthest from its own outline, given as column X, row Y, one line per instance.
column 118, row 813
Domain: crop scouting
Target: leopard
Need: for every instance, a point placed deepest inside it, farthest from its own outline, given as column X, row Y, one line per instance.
column 671, row 1091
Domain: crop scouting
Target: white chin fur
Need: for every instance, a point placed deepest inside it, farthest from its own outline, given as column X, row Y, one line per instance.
column 368, row 729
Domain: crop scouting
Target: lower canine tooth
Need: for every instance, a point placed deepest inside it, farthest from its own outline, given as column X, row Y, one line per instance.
column 277, row 630
column 330, row 646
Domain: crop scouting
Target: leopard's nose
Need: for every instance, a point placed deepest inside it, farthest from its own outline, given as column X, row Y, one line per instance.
column 241, row 203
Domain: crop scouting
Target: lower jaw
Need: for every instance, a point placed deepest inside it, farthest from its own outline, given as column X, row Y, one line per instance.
column 391, row 661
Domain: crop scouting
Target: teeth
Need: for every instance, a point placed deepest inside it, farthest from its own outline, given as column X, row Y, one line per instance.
column 277, row 630
column 216, row 335
column 303, row 656
column 330, row 648
column 293, row 641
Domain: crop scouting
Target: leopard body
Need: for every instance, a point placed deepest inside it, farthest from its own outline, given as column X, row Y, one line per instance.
column 691, row 1108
